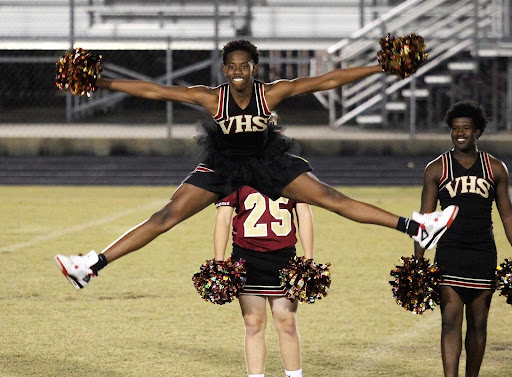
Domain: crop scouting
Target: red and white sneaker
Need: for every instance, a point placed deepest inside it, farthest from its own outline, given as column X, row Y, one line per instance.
column 433, row 225
column 77, row 268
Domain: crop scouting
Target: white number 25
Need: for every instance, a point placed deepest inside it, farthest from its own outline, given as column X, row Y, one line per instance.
column 257, row 203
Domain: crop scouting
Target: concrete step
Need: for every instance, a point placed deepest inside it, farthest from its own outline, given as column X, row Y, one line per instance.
column 418, row 93
column 466, row 66
column 438, row 79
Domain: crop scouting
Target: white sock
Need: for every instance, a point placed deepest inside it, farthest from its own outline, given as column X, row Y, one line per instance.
column 293, row 373
column 256, row 375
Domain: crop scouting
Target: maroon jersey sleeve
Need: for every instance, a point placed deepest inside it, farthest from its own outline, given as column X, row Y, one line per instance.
column 230, row 200
column 261, row 224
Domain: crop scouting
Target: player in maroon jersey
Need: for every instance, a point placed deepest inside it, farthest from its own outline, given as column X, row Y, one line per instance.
column 472, row 180
column 264, row 234
column 241, row 109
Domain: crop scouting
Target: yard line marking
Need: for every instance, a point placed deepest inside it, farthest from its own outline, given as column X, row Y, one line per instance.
column 76, row 228
column 381, row 351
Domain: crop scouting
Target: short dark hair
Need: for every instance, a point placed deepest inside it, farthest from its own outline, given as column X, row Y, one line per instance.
column 467, row 109
column 241, row 45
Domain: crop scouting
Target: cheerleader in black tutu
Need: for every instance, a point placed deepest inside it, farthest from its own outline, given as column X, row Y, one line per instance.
column 248, row 152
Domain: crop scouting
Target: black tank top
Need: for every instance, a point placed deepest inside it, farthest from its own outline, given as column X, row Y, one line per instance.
column 473, row 191
column 242, row 131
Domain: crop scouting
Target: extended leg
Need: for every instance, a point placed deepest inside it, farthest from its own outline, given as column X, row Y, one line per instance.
column 307, row 188
column 186, row 201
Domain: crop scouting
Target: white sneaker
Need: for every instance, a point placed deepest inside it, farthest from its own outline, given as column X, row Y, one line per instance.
column 77, row 268
column 433, row 225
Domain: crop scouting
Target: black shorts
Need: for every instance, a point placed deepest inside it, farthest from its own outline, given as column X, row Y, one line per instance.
column 263, row 270
column 467, row 295
column 267, row 178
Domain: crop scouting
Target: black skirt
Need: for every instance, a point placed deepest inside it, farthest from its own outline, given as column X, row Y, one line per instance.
column 263, row 270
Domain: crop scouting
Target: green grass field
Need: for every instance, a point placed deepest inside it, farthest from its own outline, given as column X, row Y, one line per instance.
column 142, row 316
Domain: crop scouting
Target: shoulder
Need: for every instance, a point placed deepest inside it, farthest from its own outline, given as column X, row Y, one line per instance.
column 435, row 167
column 498, row 167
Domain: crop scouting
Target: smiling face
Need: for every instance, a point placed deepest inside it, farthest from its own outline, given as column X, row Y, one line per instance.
column 239, row 70
column 464, row 134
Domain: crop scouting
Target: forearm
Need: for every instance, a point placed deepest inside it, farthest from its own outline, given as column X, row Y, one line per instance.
column 144, row 89
column 306, row 229
column 341, row 77
column 221, row 231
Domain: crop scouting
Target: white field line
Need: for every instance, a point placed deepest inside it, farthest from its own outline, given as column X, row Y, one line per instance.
column 381, row 351
column 77, row 228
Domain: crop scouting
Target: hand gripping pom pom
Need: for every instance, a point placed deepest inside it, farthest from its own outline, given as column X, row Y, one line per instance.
column 416, row 285
column 402, row 56
column 220, row 282
column 77, row 72
column 504, row 279
column 305, row 280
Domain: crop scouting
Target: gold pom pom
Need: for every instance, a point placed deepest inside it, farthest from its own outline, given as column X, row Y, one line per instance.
column 77, row 72
column 402, row 56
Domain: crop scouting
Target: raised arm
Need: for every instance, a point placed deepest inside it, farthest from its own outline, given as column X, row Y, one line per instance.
column 503, row 201
column 278, row 90
column 221, row 231
column 306, row 228
column 429, row 194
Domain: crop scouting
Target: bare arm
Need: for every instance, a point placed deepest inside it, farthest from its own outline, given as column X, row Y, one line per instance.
column 197, row 95
column 221, row 231
column 282, row 89
column 429, row 194
column 503, row 201
column 306, row 228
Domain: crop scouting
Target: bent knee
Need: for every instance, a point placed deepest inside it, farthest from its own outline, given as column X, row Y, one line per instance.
column 164, row 219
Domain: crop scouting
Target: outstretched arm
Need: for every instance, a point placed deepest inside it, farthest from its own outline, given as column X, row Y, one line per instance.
column 306, row 228
column 503, row 201
column 197, row 95
column 221, row 230
column 282, row 89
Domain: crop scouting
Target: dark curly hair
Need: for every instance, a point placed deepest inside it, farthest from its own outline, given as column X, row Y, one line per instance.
column 467, row 109
column 241, row 45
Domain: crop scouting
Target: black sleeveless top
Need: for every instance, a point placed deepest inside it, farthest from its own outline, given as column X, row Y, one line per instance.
column 473, row 190
column 242, row 131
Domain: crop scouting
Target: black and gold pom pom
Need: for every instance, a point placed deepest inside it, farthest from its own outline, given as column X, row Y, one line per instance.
column 402, row 56
column 504, row 279
column 220, row 282
column 305, row 280
column 77, row 72
column 416, row 284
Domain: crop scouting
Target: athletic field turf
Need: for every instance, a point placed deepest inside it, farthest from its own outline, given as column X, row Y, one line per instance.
column 142, row 316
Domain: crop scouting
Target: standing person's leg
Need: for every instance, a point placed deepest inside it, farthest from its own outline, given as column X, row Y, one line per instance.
column 452, row 312
column 477, row 313
column 284, row 314
column 254, row 312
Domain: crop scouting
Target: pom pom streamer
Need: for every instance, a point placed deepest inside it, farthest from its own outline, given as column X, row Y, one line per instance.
column 77, row 72
column 220, row 282
column 402, row 56
column 305, row 280
column 504, row 279
column 416, row 285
